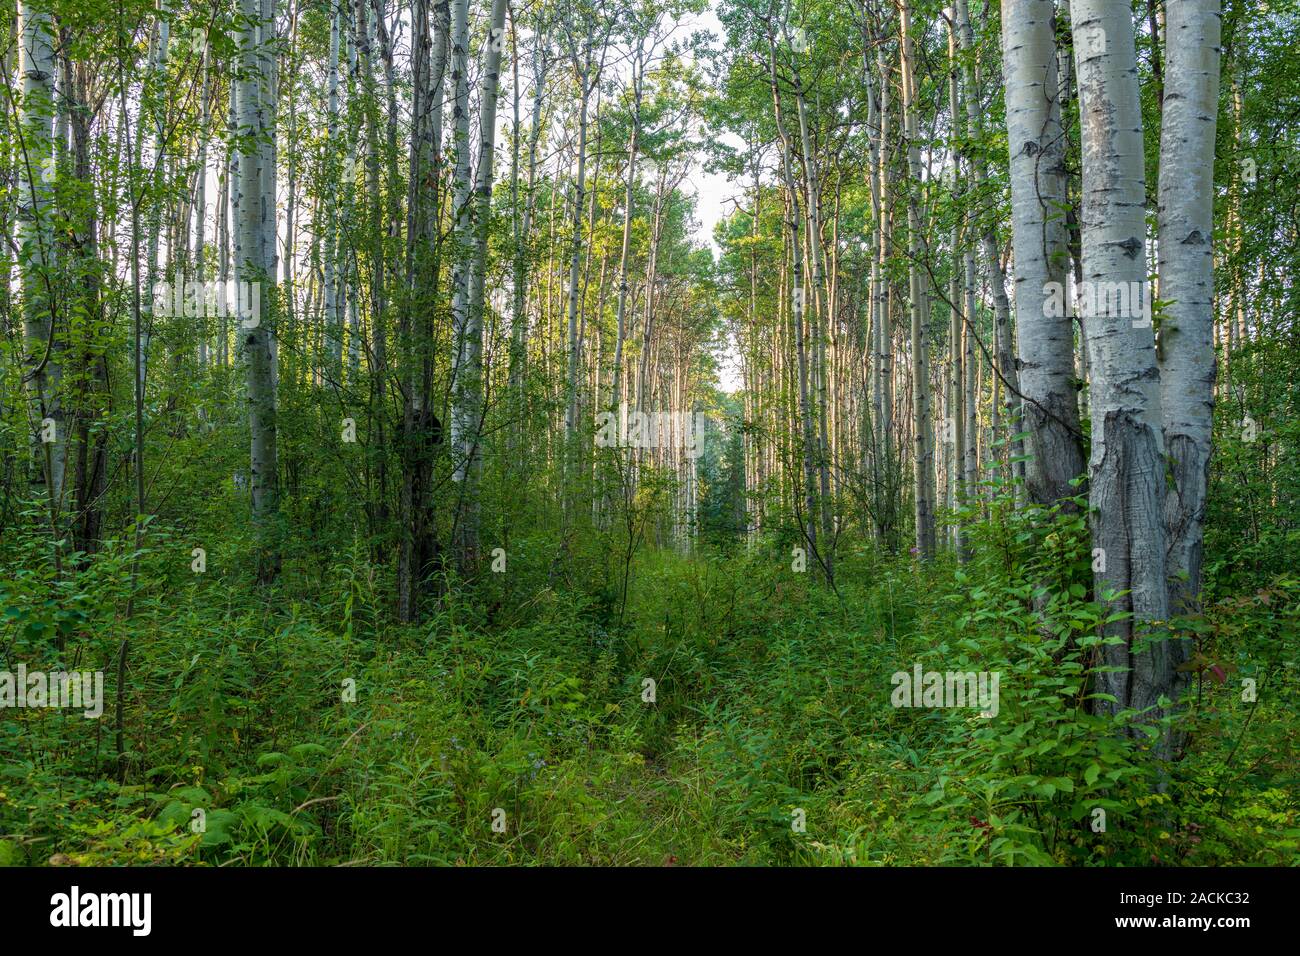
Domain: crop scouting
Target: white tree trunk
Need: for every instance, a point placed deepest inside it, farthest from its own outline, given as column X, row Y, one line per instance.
column 462, row 425
column 1044, row 328
column 158, row 79
column 252, row 268
column 582, row 73
column 1004, row 353
column 922, row 432
column 797, row 301
column 820, row 308
column 519, row 320
column 1127, row 469
column 471, row 373
column 333, row 317
column 1186, row 269
column 884, row 343
column 620, row 310
column 201, row 200
column 44, row 370
column 348, row 286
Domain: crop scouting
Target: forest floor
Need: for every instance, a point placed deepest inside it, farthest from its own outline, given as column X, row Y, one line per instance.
column 732, row 712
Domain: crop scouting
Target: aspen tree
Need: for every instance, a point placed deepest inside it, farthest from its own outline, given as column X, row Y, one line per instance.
column 1044, row 327
column 1186, row 269
column 1127, row 468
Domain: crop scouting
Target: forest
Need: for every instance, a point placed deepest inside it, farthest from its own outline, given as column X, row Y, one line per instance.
column 642, row 433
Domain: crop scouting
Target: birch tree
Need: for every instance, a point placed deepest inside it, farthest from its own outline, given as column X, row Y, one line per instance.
column 153, row 105
column 333, row 317
column 461, row 185
column 922, row 431
column 1044, row 327
column 1186, row 271
column 35, row 156
column 1127, row 469
column 472, row 361
column 252, row 268
column 463, row 418
column 582, row 59
column 797, row 306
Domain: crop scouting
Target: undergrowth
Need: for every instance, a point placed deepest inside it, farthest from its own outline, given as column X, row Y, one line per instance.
column 730, row 711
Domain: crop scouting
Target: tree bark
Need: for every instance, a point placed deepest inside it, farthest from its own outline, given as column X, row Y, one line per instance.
column 1127, row 470
column 472, row 369
column 43, row 345
column 1044, row 327
column 1186, row 270
column 252, row 268
column 922, row 431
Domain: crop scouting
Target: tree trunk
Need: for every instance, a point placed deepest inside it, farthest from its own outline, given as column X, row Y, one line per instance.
column 463, row 419
column 472, row 369
column 922, row 432
column 582, row 70
column 333, row 317
column 1006, row 382
column 201, row 202
column 1044, row 327
column 519, row 318
column 797, row 300
column 1186, row 270
column 43, row 345
column 620, row 310
column 252, row 268
column 1127, row 470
